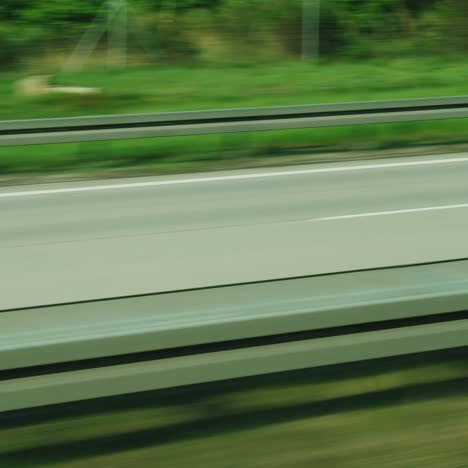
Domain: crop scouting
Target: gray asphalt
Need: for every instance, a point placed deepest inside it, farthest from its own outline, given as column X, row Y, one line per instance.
column 71, row 246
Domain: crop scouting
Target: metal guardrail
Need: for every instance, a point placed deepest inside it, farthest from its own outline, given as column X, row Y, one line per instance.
column 116, row 127
column 128, row 345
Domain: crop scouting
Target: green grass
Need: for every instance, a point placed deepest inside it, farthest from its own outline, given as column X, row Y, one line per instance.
column 172, row 88
column 404, row 412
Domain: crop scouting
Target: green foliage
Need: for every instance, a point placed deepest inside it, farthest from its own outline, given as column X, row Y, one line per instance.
column 170, row 35
column 457, row 24
column 15, row 47
column 249, row 30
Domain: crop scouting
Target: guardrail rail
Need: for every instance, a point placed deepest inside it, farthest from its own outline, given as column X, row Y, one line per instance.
column 121, row 127
column 72, row 352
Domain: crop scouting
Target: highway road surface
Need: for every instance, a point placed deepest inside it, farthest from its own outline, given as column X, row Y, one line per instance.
column 100, row 239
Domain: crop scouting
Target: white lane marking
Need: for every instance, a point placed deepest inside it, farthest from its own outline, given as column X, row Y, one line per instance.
column 198, row 180
column 393, row 212
column 6, row 245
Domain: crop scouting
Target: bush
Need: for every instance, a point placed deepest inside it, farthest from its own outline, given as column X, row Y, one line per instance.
column 431, row 31
column 9, row 51
column 456, row 14
column 169, row 36
column 14, row 47
column 243, row 31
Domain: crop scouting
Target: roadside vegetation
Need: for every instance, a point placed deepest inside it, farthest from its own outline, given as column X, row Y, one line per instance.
column 243, row 31
column 200, row 54
column 183, row 87
column 403, row 412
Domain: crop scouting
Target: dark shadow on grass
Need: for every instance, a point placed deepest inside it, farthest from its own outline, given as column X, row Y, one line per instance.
column 199, row 394
column 226, row 424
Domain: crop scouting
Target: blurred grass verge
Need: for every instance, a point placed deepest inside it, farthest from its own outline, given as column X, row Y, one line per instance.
column 399, row 412
column 196, row 87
